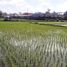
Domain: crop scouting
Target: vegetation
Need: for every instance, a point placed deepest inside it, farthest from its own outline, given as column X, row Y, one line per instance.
column 47, row 16
column 25, row 44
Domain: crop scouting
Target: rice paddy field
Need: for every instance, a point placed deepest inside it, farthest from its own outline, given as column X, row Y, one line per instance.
column 30, row 44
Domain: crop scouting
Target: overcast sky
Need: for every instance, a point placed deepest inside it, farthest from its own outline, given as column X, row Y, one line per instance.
column 32, row 5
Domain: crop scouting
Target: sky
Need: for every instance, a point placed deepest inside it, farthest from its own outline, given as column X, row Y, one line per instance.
column 16, row 6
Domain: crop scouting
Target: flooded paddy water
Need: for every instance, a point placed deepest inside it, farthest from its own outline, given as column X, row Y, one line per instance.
column 48, row 50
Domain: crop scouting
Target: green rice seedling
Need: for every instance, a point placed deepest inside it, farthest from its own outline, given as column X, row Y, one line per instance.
column 34, row 48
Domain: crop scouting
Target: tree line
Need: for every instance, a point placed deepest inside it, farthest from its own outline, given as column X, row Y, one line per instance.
column 48, row 16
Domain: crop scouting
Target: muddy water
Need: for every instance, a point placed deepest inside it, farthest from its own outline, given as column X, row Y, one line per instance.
column 51, row 49
column 46, row 51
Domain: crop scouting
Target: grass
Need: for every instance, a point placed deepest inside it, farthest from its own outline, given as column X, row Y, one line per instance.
column 26, row 44
column 31, row 27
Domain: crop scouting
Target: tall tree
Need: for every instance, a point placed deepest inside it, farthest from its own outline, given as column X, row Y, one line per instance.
column 65, row 15
column 0, row 14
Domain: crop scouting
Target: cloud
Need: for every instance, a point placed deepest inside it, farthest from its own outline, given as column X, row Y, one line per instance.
column 33, row 6
column 62, row 7
column 15, row 6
